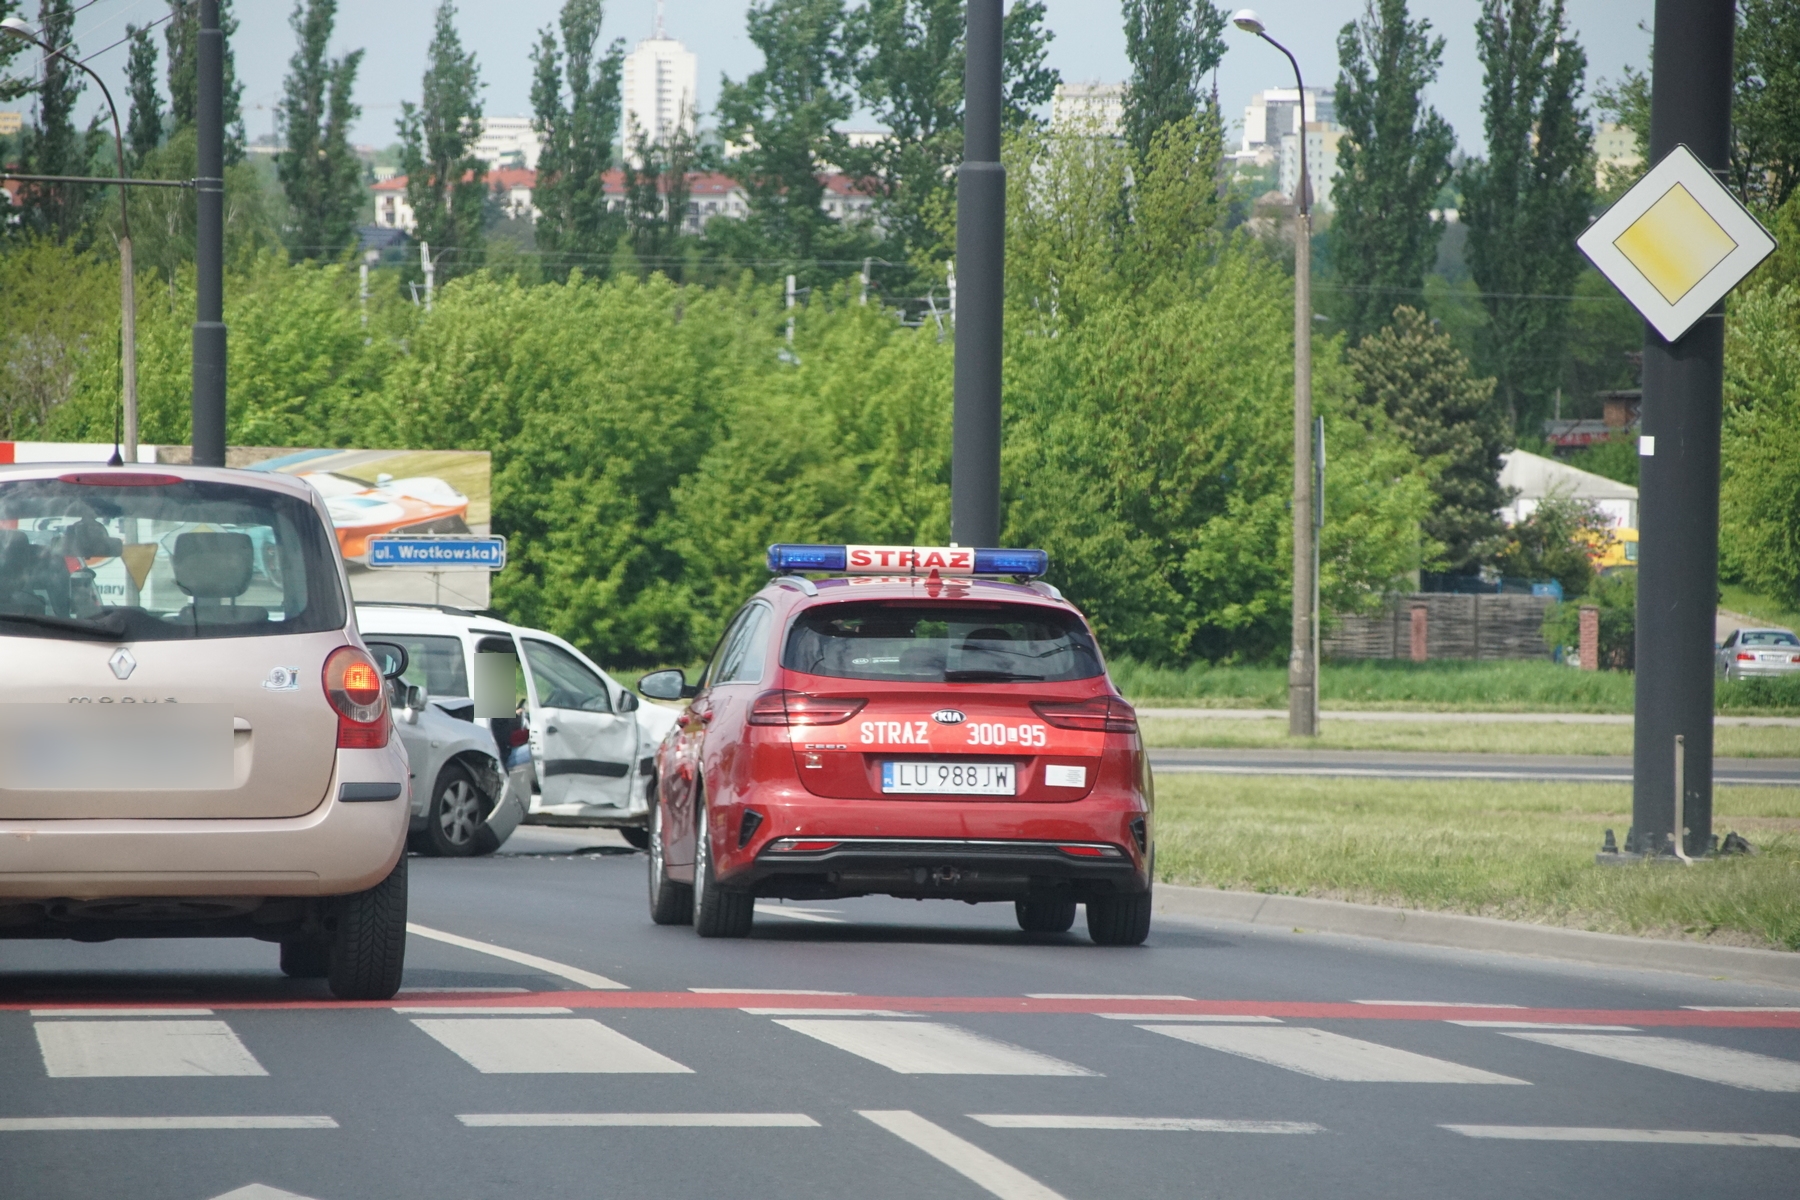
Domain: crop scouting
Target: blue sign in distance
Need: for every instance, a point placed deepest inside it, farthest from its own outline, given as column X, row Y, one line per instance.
column 446, row 552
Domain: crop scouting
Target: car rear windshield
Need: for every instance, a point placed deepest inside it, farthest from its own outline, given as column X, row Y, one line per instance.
column 941, row 643
column 1770, row 637
column 162, row 559
column 434, row 662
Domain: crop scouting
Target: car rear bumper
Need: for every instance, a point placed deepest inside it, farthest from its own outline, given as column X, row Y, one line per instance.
column 338, row 848
column 946, row 868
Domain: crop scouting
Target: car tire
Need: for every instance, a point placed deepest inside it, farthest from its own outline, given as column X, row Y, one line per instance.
column 635, row 837
column 1119, row 920
column 368, row 940
column 1045, row 916
column 671, row 903
column 719, row 912
column 308, row 959
column 455, row 820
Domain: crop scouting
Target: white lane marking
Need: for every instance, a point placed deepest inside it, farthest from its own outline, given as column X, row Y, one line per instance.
column 1543, row 1025
column 823, row 1012
column 1436, row 1004
column 121, row 1012
column 991, row 1174
column 1326, row 1055
column 1408, row 773
column 1737, row 1008
column 928, row 1048
column 112, row 1049
column 1715, row 1064
column 1103, row 996
column 1172, row 1124
column 485, row 1010
column 119, row 1124
column 624, row 1120
column 547, row 1046
column 259, row 1191
column 420, row 991
column 1677, row 1137
column 1214, row 1018
column 798, row 914
column 548, row 966
column 767, row 992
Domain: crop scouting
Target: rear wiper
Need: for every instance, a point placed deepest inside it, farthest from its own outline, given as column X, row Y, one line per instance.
column 988, row 677
column 110, row 627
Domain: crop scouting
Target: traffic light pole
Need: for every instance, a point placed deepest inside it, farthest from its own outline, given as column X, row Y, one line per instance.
column 1678, row 499
column 980, row 273
column 209, row 243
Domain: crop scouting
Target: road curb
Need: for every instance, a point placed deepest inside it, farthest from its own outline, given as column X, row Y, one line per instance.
column 1477, row 933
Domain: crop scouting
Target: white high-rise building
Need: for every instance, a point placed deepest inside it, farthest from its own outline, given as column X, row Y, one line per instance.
column 660, row 87
column 1276, row 111
column 509, row 141
column 1097, row 108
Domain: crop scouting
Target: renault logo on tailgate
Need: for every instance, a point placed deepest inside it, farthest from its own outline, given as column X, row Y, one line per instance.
column 122, row 663
column 948, row 716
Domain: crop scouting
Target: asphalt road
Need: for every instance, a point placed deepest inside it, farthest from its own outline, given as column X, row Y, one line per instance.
column 876, row 1048
column 1393, row 764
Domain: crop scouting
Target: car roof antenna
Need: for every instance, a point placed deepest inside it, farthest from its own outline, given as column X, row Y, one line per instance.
column 117, row 459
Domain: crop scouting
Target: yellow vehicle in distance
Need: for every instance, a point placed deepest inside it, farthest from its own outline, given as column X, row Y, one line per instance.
column 1612, row 549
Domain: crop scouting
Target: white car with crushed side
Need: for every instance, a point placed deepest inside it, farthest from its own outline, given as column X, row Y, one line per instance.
column 592, row 744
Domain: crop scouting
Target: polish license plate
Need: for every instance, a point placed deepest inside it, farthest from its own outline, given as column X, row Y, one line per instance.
column 80, row 747
column 947, row 778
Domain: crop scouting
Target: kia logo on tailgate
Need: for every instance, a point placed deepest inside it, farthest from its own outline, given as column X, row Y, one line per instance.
column 948, row 716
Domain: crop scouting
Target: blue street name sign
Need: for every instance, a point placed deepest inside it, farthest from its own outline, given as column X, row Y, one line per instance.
column 444, row 553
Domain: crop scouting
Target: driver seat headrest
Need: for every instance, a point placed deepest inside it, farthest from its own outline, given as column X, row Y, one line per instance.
column 213, row 566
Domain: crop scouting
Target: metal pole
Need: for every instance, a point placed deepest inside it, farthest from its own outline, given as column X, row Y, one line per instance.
column 430, row 270
column 209, row 243
column 1678, row 563
column 1318, row 525
column 981, row 257
column 865, row 280
column 790, row 308
column 1303, row 663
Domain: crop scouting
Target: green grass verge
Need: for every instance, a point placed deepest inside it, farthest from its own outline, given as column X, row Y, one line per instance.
column 1763, row 608
column 1511, row 850
column 1446, row 737
column 1445, row 685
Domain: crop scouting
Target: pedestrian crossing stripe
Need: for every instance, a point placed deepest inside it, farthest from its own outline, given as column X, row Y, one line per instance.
column 1715, row 1064
column 140, row 1048
column 1326, row 1055
column 546, row 1046
column 929, row 1048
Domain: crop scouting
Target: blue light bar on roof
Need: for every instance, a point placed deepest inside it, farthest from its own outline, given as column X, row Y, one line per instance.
column 907, row 560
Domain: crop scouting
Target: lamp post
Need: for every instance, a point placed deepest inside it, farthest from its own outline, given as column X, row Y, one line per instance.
column 1303, row 658
column 17, row 28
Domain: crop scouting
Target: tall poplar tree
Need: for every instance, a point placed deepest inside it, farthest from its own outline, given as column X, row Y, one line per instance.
column 1394, row 158
column 320, row 173
column 446, row 184
column 907, row 59
column 1526, row 203
column 182, row 36
column 144, row 127
column 1172, row 44
column 1765, row 117
column 783, row 118
column 574, row 226
column 51, row 145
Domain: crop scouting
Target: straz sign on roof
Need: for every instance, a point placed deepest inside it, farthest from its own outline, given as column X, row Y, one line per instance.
column 946, row 560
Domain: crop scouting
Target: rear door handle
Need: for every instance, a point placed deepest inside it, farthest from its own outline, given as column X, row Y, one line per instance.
column 549, row 729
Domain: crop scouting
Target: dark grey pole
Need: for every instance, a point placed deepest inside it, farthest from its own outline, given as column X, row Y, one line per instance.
column 1678, row 493
column 980, row 278
column 209, row 243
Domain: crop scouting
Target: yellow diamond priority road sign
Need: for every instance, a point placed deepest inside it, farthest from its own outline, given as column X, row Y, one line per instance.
column 1676, row 243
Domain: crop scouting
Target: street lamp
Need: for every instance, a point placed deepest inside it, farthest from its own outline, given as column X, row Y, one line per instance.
column 17, row 28
column 1303, row 658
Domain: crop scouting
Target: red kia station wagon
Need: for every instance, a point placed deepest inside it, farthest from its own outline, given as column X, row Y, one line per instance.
column 928, row 722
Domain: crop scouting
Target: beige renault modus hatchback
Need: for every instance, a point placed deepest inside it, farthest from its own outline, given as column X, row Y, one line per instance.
column 194, row 740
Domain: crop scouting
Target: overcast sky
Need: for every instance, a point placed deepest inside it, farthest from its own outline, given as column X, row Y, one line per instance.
column 1089, row 45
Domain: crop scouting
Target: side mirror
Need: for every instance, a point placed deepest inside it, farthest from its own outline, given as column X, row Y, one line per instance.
column 391, row 658
column 628, row 702
column 666, row 685
column 416, row 697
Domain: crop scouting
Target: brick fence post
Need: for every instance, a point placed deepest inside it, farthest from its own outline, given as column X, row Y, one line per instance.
column 1590, row 638
column 1418, row 632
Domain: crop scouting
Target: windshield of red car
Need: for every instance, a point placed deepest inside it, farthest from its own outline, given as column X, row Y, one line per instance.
column 941, row 643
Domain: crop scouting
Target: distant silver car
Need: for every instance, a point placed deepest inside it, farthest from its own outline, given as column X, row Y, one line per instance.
column 1771, row 653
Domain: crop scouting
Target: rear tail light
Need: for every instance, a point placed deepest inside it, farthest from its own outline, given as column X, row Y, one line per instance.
column 356, row 690
column 800, row 708
column 1746, row 657
column 1102, row 714
column 803, row 846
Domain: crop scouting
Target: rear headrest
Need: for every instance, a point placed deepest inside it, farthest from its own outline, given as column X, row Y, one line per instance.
column 87, row 538
column 213, row 566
